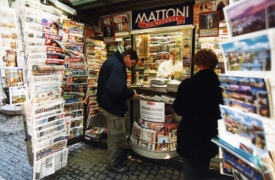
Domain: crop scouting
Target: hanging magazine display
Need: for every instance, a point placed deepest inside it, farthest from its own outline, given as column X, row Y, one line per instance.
column 54, row 59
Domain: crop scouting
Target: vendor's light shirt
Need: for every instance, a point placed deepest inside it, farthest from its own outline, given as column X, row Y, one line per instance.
column 167, row 67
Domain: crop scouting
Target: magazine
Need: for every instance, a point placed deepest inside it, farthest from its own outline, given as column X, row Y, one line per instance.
column 36, row 55
column 37, row 5
column 163, row 142
column 37, row 120
column 148, row 139
column 46, row 137
column 173, row 140
column 154, row 126
column 46, row 117
column 55, row 53
column 45, row 79
column 171, row 126
column 76, row 132
column 39, row 154
column 44, row 86
column 94, row 133
column 44, row 167
column 77, row 87
column 72, row 97
column 136, row 134
column 43, row 70
column 73, row 106
column 49, row 141
column 48, row 131
column 49, row 124
column 53, row 106
column 61, row 159
column 75, row 79
column 50, row 39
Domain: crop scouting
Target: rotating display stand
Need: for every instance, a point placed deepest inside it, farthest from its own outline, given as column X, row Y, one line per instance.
column 154, row 129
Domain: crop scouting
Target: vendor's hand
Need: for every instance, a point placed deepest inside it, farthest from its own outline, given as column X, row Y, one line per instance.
column 135, row 94
column 172, row 74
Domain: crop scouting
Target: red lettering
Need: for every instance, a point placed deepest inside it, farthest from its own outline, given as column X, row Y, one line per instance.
column 150, row 103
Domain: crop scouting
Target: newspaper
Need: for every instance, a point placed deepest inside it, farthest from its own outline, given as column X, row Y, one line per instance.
column 49, row 164
column 148, row 139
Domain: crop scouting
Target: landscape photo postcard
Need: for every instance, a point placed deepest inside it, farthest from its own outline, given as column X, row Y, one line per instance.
column 249, row 53
column 18, row 94
column 249, row 16
column 247, row 93
column 249, row 128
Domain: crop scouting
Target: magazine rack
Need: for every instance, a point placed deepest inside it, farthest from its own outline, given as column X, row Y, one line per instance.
column 153, row 132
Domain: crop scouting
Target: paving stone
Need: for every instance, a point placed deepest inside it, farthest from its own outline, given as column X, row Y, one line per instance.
column 84, row 161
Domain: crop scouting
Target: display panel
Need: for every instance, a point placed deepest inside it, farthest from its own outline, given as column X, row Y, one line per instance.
column 154, row 49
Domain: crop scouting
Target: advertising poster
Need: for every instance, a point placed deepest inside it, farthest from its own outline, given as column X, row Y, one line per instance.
column 108, row 29
column 164, row 16
column 121, row 23
column 152, row 111
column 209, row 24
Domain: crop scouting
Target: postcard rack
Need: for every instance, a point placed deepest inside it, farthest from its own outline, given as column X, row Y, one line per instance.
column 250, row 166
column 246, row 136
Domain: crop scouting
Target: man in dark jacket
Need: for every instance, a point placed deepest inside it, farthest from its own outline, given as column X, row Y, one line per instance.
column 112, row 93
column 197, row 101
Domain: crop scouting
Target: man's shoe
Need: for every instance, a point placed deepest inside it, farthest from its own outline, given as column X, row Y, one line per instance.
column 118, row 168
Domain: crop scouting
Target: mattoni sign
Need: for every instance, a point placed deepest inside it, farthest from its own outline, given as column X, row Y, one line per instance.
column 173, row 15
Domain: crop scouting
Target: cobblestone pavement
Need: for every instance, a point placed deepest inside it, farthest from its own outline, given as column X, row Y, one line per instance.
column 84, row 161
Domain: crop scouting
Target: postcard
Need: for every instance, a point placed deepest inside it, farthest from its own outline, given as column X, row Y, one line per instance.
column 249, row 53
column 247, row 93
column 246, row 126
column 18, row 95
column 249, row 16
column 12, row 76
column 9, row 58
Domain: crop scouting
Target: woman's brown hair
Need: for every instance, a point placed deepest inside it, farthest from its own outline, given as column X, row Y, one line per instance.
column 206, row 58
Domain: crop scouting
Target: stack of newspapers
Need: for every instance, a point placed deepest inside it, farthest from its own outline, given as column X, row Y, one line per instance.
column 173, row 85
column 159, row 82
